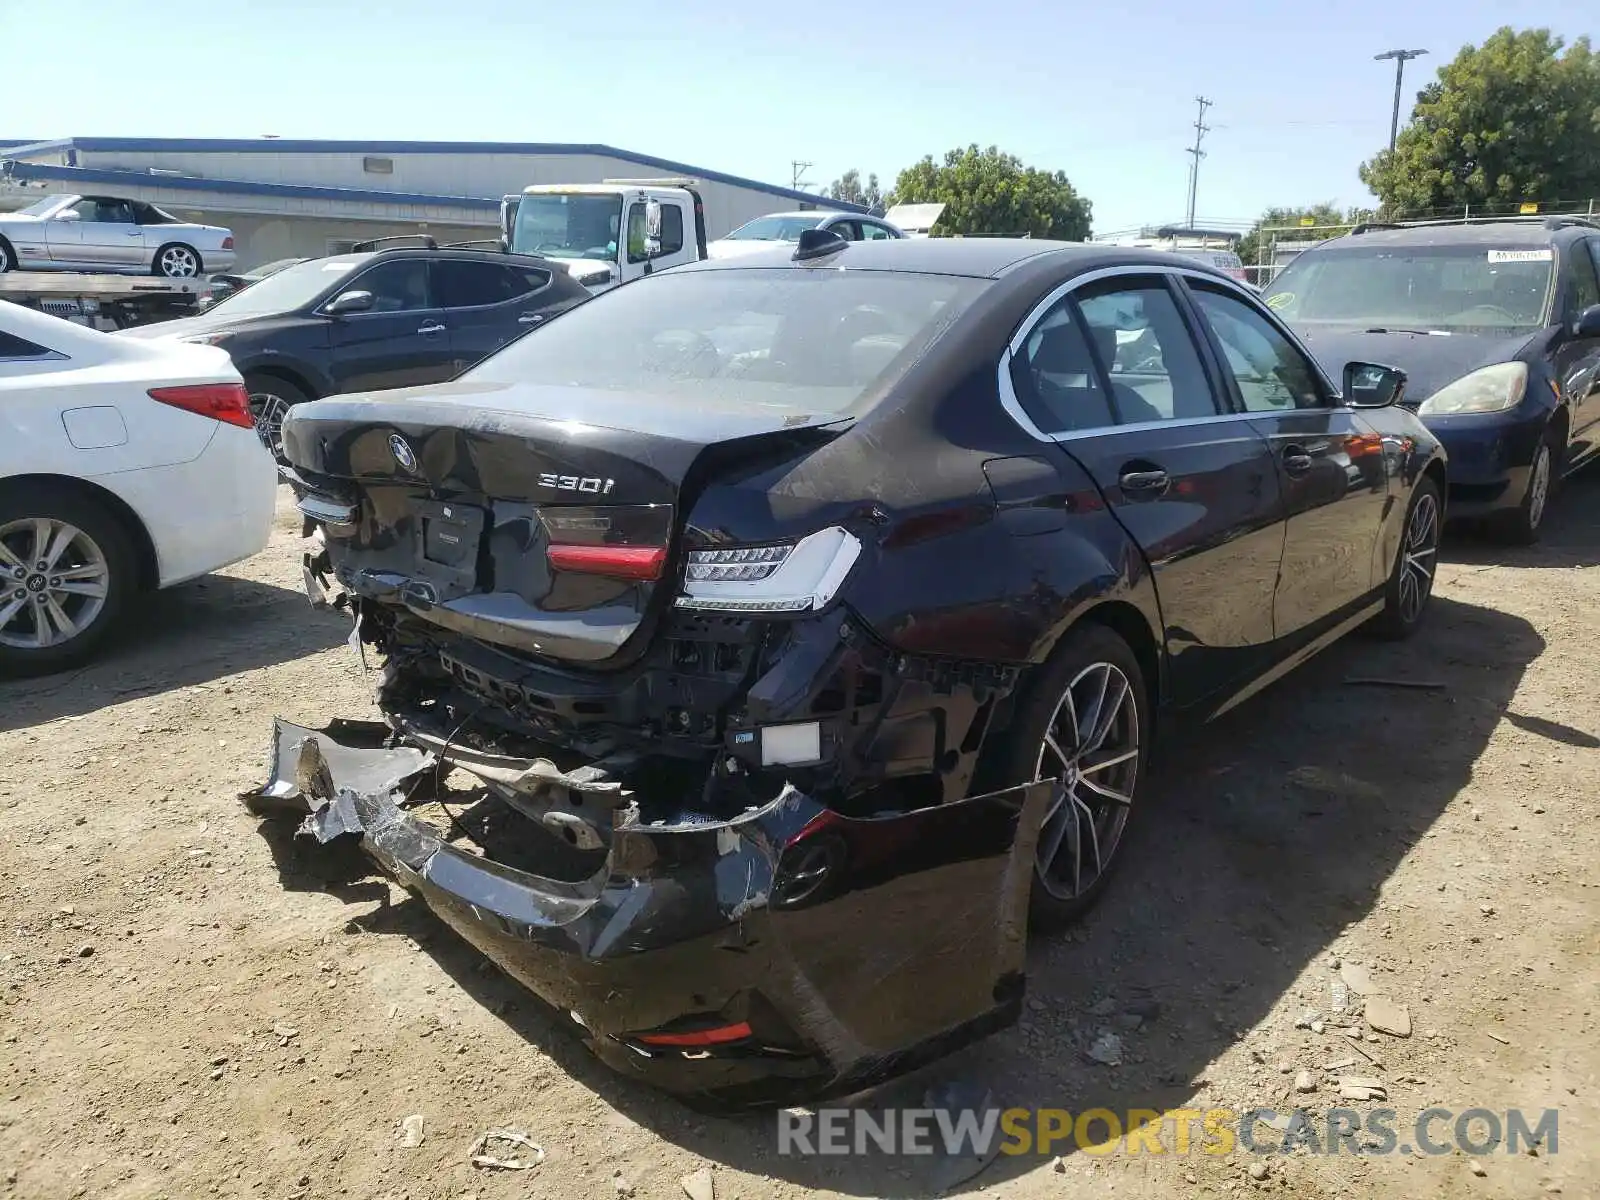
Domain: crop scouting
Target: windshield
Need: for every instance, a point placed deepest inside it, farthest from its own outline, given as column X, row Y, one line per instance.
column 1448, row 288
column 288, row 289
column 568, row 226
column 43, row 207
column 811, row 341
column 774, row 229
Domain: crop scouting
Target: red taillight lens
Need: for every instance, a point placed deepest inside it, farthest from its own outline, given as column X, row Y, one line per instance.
column 225, row 402
column 227, row 243
column 643, row 563
column 719, row 1036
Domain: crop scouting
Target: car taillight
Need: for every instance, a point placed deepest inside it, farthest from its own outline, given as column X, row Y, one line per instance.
column 225, row 402
column 643, row 563
column 719, row 1035
column 227, row 243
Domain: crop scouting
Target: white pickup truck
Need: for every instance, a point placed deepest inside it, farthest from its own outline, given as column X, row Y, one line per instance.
column 610, row 233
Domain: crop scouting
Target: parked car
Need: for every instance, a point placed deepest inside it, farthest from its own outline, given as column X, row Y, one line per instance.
column 1497, row 326
column 1225, row 261
column 125, row 467
column 777, row 228
column 110, row 234
column 219, row 287
column 389, row 318
column 808, row 616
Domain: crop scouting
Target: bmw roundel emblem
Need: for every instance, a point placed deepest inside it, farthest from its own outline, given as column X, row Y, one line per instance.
column 403, row 454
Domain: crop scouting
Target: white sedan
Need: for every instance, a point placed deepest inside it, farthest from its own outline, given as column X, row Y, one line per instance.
column 125, row 466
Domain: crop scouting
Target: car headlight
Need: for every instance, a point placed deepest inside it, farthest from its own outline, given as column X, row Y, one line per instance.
column 788, row 577
column 206, row 339
column 1491, row 389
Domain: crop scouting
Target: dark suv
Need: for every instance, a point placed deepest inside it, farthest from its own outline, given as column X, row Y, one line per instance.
column 1497, row 327
column 367, row 321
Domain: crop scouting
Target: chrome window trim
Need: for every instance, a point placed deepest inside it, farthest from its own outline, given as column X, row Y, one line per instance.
column 1025, row 328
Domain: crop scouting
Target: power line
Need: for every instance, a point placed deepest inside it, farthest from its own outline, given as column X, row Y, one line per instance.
column 1200, row 131
column 797, row 170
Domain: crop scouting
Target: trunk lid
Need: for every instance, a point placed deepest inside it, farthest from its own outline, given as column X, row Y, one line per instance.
column 538, row 518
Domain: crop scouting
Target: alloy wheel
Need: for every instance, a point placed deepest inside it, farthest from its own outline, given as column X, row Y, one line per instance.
column 1418, row 557
column 54, row 580
column 1539, row 486
column 1091, row 746
column 269, row 411
column 179, row 262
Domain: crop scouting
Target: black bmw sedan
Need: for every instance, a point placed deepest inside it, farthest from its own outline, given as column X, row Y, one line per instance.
column 807, row 617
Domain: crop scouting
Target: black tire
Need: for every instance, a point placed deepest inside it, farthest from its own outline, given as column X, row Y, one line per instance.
column 271, row 397
column 8, row 257
column 1522, row 525
column 1416, row 562
column 1055, row 902
column 101, row 555
column 162, row 266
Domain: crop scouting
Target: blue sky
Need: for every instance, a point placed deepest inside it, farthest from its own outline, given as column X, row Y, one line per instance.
column 1104, row 92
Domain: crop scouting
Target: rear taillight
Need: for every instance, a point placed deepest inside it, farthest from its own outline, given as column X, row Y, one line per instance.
column 643, row 563
column 225, row 402
column 719, row 1035
column 227, row 243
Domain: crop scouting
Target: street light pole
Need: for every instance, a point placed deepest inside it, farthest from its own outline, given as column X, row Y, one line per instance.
column 1401, row 57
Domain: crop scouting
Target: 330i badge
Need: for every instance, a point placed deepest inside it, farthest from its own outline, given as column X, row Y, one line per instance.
column 852, row 663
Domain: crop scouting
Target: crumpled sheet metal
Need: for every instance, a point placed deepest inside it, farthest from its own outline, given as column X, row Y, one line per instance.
column 912, row 945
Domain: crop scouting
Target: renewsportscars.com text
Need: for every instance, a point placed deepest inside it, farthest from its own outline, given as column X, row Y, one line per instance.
column 1214, row 1131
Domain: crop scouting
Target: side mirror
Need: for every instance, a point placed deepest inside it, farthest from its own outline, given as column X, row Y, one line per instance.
column 1587, row 324
column 1368, row 385
column 349, row 302
column 66, row 214
column 652, row 228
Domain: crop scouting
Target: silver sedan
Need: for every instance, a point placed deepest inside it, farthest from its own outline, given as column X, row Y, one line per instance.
column 105, row 233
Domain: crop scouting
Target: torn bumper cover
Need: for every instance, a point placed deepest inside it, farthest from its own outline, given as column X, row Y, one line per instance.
column 785, row 955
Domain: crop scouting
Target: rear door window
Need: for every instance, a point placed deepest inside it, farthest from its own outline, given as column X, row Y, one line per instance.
column 464, row 284
column 1144, row 345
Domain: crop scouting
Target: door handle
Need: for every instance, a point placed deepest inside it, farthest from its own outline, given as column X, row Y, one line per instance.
column 431, row 327
column 1296, row 461
column 135, row 233
column 1142, row 485
column 530, row 318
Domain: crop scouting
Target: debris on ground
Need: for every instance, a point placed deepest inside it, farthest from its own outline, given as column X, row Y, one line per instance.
column 621, row 1186
column 1106, row 1050
column 1258, row 1171
column 479, row 1155
column 411, row 1132
column 698, row 1185
column 1384, row 1015
column 1362, row 1087
column 1305, row 1081
column 1357, row 978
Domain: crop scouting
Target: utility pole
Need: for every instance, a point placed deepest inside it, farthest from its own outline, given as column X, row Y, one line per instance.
column 1200, row 131
column 797, row 170
column 1401, row 57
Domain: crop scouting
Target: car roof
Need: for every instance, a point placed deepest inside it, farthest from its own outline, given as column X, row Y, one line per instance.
column 982, row 258
column 1475, row 233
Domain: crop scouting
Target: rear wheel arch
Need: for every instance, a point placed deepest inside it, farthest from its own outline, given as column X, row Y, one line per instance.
column 149, row 568
column 8, row 256
column 1131, row 625
column 294, row 377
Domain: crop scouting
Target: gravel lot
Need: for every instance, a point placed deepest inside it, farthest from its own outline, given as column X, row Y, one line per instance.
column 192, row 1005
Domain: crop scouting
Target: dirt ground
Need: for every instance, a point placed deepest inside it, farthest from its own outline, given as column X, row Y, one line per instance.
column 191, row 1005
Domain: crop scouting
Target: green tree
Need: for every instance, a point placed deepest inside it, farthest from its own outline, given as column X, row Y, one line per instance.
column 848, row 188
column 987, row 192
column 1305, row 223
column 1512, row 121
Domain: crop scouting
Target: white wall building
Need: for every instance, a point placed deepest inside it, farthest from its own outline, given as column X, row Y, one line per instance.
column 285, row 197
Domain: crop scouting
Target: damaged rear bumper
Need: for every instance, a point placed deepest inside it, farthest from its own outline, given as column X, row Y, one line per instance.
column 783, row 956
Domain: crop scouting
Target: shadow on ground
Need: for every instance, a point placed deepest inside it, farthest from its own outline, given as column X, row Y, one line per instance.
column 1570, row 536
column 187, row 635
column 1264, row 835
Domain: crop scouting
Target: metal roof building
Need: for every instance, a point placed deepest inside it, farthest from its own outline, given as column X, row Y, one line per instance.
column 284, row 197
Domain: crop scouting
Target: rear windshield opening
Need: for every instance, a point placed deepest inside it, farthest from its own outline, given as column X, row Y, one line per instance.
column 814, row 341
column 1460, row 287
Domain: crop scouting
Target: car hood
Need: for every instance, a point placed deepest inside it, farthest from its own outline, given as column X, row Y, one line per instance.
column 187, row 327
column 1429, row 360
